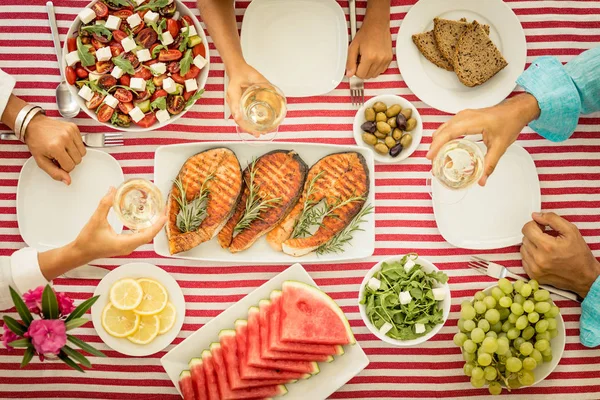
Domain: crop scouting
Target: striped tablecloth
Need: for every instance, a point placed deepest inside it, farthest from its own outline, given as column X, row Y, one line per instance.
column 569, row 174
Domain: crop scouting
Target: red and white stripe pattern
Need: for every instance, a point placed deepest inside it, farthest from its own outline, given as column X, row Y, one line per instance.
column 569, row 174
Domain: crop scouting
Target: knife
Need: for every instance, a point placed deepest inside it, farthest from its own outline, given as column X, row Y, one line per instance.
column 87, row 272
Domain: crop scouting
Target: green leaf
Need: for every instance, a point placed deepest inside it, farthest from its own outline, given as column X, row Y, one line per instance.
column 20, row 343
column 118, row 3
column 49, row 303
column 192, row 100
column 69, row 362
column 82, row 308
column 27, row 357
column 160, row 103
column 75, row 355
column 157, row 50
column 98, row 30
column 150, row 86
column 186, row 62
column 16, row 327
column 124, row 64
column 21, row 307
column 153, row 5
column 86, row 58
column 185, row 35
column 75, row 323
column 84, row 346
column 158, row 29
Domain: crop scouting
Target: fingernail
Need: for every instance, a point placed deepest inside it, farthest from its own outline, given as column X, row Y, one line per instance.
column 428, row 154
column 538, row 214
column 65, row 182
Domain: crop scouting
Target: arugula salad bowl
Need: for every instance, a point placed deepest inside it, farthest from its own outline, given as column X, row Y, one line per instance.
column 411, row 293
column 170, row 111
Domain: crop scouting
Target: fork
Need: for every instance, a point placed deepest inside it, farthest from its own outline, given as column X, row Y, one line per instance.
column 498, row 271
column 357, row 85
column 90, row 139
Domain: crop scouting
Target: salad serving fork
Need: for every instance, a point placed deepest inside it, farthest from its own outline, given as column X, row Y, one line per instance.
column 357, row 85
column 90, row 139
column 499, row 271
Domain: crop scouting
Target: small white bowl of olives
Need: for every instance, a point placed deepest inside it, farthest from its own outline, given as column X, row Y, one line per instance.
column 389, row 125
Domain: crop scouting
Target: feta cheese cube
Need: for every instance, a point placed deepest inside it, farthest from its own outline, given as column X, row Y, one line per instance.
column 408, row 265
column 191, row 85
column 169, row 85
column 176, row 16
column 162, row 116
column 200, row 61
column 404, row 297
column 158, row 68
column 85, row 93
column 439, row 294
column 385, row 328
column 136, row 114
column 419, row 328
column 167, row 38
column 151, row 17
column 111, row 101
column 139, row 2
column 191, row 30
column 113, row 23
column 143, row 55
column 103, row 54
column 117, row 72
column 87, row 15
column 72, row 58
column 137, row 84
column 134, row 20
column 94, row 76
column 374, row 283
column 128, row 44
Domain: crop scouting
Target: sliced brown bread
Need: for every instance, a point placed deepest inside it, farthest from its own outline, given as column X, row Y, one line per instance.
column 425, row 42
column 446, row 33
column 476, row 58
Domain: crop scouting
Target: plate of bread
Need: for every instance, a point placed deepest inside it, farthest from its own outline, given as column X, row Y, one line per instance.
column 461, row 54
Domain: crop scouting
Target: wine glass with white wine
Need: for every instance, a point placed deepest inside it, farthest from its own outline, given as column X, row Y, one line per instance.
column 138, row 203
column 263, row 107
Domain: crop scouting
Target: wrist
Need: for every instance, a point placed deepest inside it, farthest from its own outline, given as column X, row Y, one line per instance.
column 32, row 128
column 79, row 252
column 377, row 15
column 525, row 108
column 591, row 274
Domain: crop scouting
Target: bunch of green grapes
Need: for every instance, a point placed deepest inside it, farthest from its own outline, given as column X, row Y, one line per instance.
column 506, row 335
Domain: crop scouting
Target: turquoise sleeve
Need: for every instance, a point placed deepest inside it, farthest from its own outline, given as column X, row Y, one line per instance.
column 589, row 334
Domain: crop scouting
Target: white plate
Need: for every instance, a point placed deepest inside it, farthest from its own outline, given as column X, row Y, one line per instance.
column 490, row 217
column 298, row 45
column 441, row 89
column 138, row 270
column 332, row 376
column 389, row 99
column 169, row 159
column 51, row 214
column 201, row 79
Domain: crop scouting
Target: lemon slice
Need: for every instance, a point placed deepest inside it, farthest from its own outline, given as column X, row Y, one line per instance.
column 147, row 331
column 126, row 294
column 155, row 297
column 167, row 318
column 119, row 323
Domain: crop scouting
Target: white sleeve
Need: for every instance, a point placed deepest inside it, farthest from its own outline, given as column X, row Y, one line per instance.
column 7, row 83
column 21, row 271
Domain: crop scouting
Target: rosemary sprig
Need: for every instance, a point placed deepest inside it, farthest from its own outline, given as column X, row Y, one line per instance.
column 191, row 214
column 339, row 240
column 310, row 215
column 255, row 204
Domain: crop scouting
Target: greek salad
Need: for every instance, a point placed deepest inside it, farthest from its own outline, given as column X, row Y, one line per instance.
column 135, row 61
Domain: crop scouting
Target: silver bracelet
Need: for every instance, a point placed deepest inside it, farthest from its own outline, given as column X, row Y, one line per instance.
column 35, row 111
column 21, row 118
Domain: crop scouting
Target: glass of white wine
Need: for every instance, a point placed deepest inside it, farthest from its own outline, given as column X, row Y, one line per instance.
column 263, row 107
column 459, row 164
column 138, row 203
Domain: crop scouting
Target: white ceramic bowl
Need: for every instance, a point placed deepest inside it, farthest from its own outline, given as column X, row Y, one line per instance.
column 427, row 267
column 202, row 77
column 389, row 99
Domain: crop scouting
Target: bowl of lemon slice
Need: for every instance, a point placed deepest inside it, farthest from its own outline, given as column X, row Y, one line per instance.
column 140, row 310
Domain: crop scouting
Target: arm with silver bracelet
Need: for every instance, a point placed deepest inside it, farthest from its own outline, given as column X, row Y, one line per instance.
column 30, row 115
column 20, row 119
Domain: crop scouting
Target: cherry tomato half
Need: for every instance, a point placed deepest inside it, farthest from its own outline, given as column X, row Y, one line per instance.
column 173, row 67
column 169, row 55
column 81, row 72
column 125, row 107
column 125, row 80
column 178, row 78
column 71, row 44
column 199, row 49
column 138, row 28
column 132, row 59
column 147, row 37
column 96, row 100
column 119, row 35
column 107, row 81
column 97, row 44
column 123, row 14
column 175, row 104
column 188, row 19
column 100, row 9
column 70, row 75
column 187, row 95
column 100, row 38
column 123, row 95
column 173, row 27
column 158, row 80
column 103, row 66
column 148, row 120
column 143, row 72
column 158, row 93
column 105, row 112
column 116, row 49
column 142, row 96
column 192, row 73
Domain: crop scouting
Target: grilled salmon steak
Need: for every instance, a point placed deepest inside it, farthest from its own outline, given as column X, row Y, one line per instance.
column 217, row 174
column 336, row 178
column 278, row 181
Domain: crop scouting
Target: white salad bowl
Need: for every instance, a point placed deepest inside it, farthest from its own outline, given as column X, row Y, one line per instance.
column 202, row 77
column 445, row 304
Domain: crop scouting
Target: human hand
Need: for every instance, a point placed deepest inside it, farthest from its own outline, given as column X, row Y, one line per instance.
column 97, row 239
column 51, row 140
column 370, row 53
column 564, row 261
column 240, row 78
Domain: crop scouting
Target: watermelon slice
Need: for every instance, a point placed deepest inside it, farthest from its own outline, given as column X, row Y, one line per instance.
column 186, row 386
column 254, row 358
column 212, row 387
column 248, row 372
column 276, row 344
column 227, row 393
column 265, row 309
column 308, row 315
column 198, row 381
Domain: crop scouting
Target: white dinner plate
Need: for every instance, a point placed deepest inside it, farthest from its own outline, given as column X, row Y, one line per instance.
column 51, row 214
column 490, row 217
column 138, row 270
column 298, row 45
column 169, row 159
column 331, row 377
column 441, row 89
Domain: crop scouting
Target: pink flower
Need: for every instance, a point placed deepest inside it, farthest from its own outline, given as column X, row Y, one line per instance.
column 8, row 336
column 47, row 335
column 65, row 304
column 33, row 299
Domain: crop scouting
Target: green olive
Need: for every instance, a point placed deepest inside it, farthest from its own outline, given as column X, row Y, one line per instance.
column 407, row 112
column 369, row 138
column 410, row 124
column 397, row 134
column 381, row 148
column 393, row 110
column 392, row 122
column 390, row 142
column 383, row 127
column 370, row 114
column 380, row 135
column 380, row 117
column 406, row 140
column 379, row 107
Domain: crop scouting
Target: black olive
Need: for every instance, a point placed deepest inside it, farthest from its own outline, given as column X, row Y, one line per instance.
column 401, row 122
column 396, row 150
column 369, row 126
